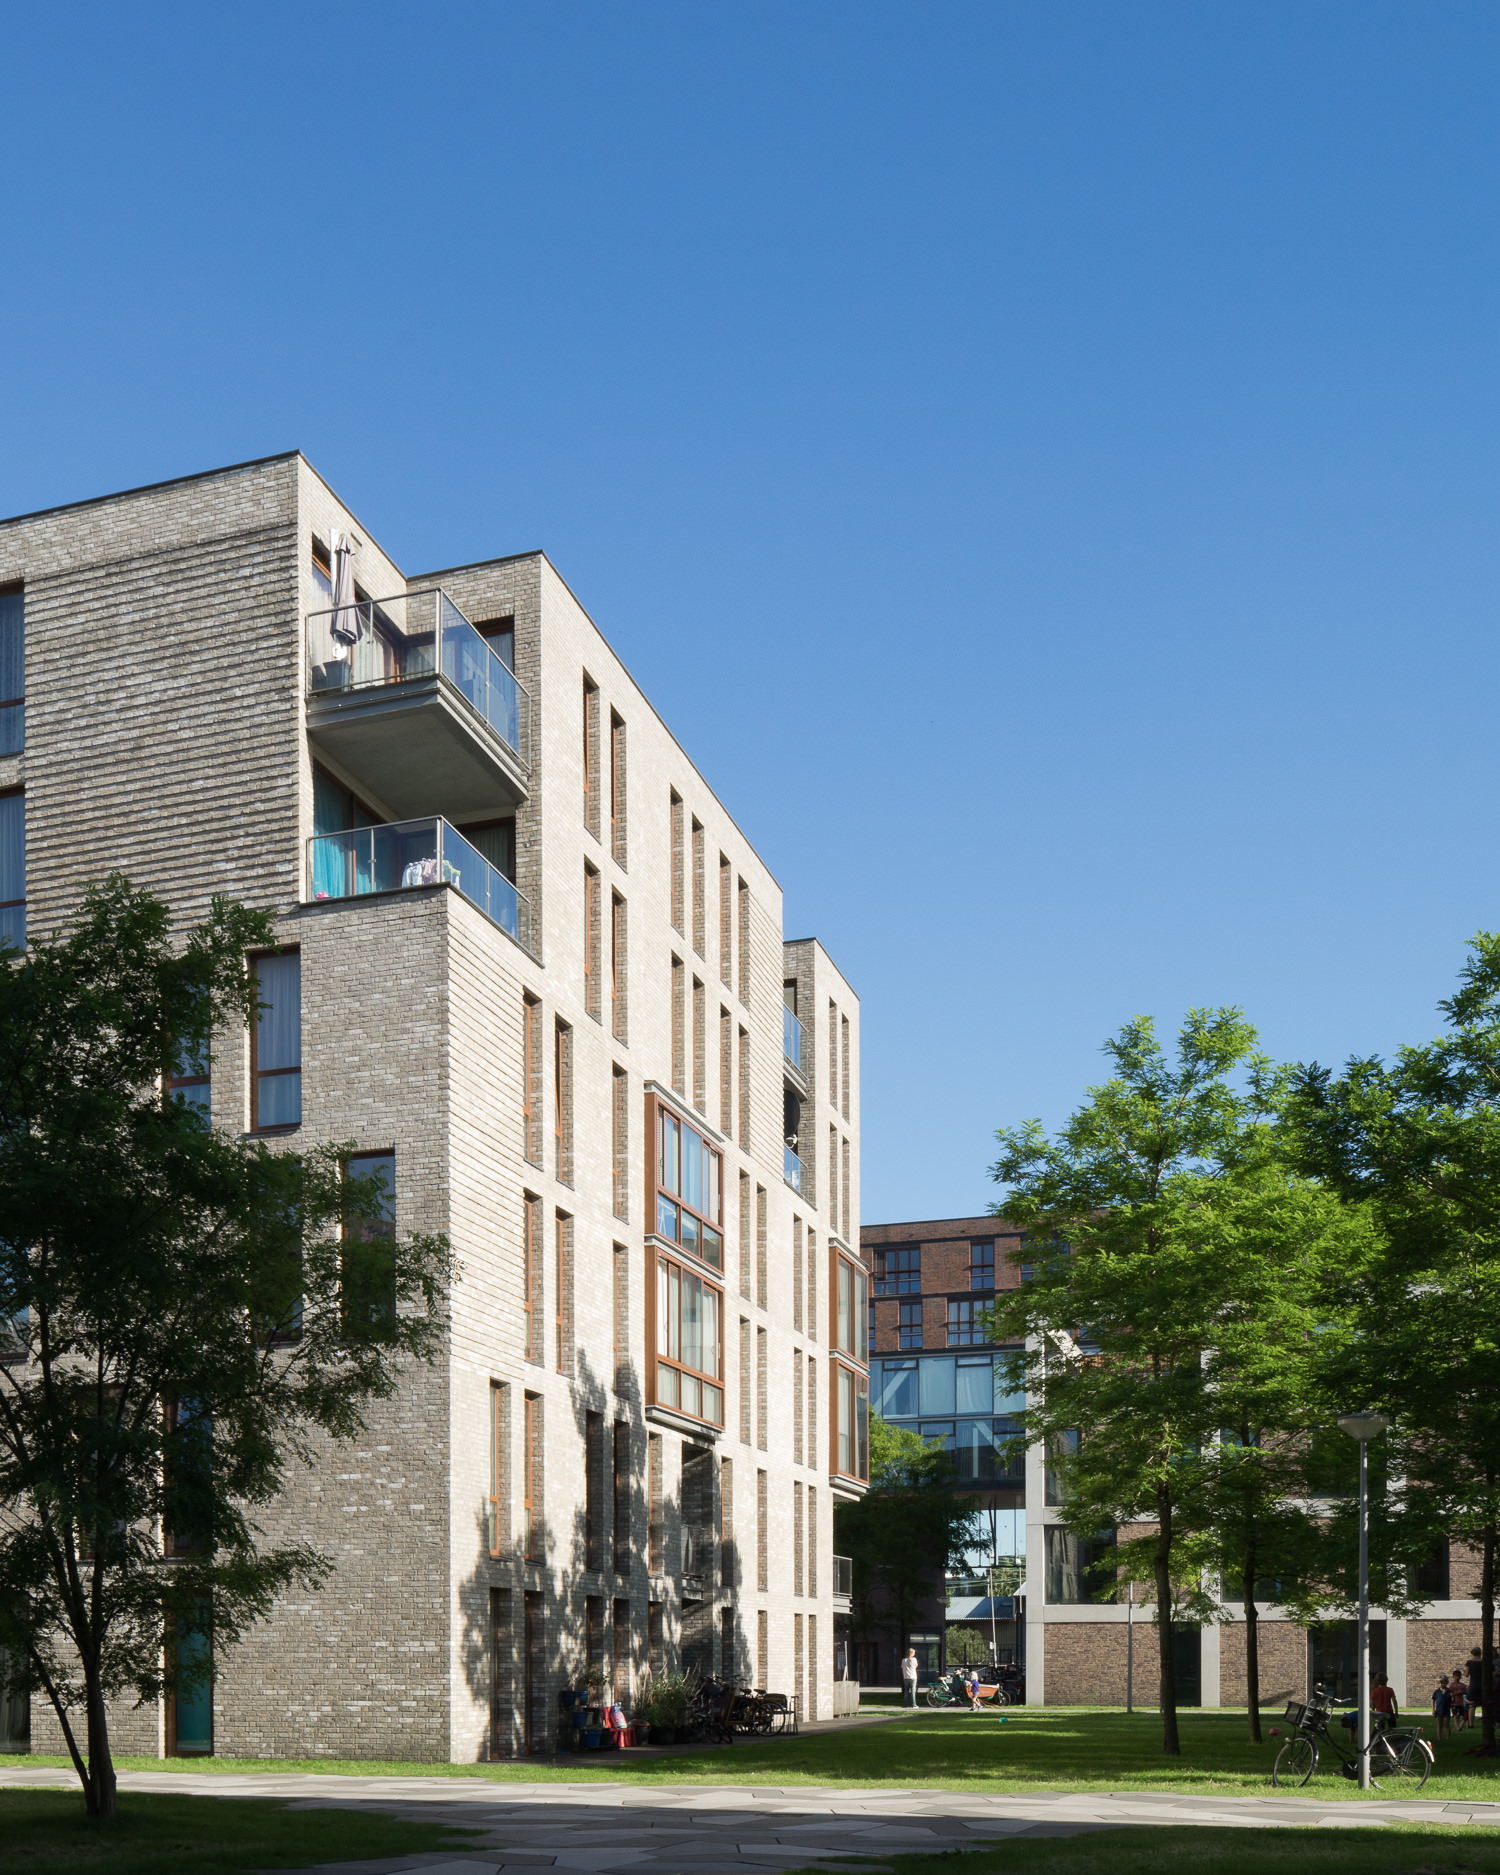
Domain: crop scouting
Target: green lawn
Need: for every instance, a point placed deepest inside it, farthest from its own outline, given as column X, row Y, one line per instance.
column 47, row 1831
column 1079, row 1748
column 1396, row 1849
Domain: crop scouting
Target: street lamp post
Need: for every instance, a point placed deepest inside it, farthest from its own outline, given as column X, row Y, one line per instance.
column 1363, row 1427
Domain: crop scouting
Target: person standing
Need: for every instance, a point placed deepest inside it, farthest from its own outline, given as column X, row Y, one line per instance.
column 1383, row 1700
column 1442, row 1710
column 1475, row 1672
column 909, row 1677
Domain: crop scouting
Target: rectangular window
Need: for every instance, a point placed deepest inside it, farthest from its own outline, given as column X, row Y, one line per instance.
column 745, row 1235
column 620, row 1141
column 191, row 1082
column 621, row 1505
column 762, row 1541
column 909, row 1326
column 13, row 869
column 726, row 922
column 593, row 986
column 500, row 635
column 745, row 1383
column 276, row 1043
column 744, row 1090
column 531, row 1481
column 689, row 1353
column 367, row 1262
column 499, row 1502
column 591, row 755
column 700, row 1047
column 744, row 938
column 982, row 1265
column 562, row 1096
column 852, row 1310
column 679, row 1029
column 797, row 1538
column 1079, row 1569
column 797, row 1273
column 898, row 1272
column 593, row 1491
column 655, row 1533
column 12, row 671
column 618, row 826
column 762, row 1383
column 700, row 934
column 679, row 922
column 851, row 1423
column 531, row 1275
column 619, row 975
column 964, row 1329
column 844, row 1020
column 689, row 1188
column 726, row 1074
column 531, row 1078
column 562, row 1301
column 797, row 1457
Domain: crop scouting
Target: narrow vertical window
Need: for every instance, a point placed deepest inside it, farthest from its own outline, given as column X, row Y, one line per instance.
column 591, row 755
column 797, row 1273
column 593, row 987
column 797, row 1451
column 744, row 1090
column 12, row 671
column 562, row 1097
column 531, row 1275
column 276, row 1067
column 762, row 1272
column 499, row 1455
column 367, row 1266
column 593, row 1491
column 13, row 869
column 618, row 826
column 621, row 1263
column 531, row 1480
column 700, row 921
column 655, row 1534
column 762, row 1541
column 620, row 1141
column 797, row 1540
column 619, row 976
column 844, row 1021
column 679, row 1029
column 744, row 944
column 678, row 916
column 562, row 1301
column 745, row 1235
column 762, row 1381
column 620, row 1459
column 745, row 1381
column 531, row 1078
column 726, row 922
column 191, row 1082
column 700, row 1047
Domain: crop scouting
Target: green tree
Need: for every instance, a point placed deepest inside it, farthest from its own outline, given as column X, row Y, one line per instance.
column 1124, row 1297
column 908, row 1530
column 1418, row 1139
column 189, row 1313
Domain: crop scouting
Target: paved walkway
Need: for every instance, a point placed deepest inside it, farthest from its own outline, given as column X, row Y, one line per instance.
column 706, row 1829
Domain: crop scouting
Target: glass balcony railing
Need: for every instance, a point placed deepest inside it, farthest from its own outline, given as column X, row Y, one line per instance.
column 791, row 1037
column 697, row 1549
column 411, row 636
column 791, row 1168
column 843, row 1577
column 408, row 853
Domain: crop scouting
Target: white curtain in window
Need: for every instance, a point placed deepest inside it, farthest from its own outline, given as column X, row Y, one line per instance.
column 278, row 1042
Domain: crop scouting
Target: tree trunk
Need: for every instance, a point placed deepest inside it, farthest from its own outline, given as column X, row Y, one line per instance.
column 1162, row 1569
column 1252, row 1646
column 99, row 1788
column 1487, row 1640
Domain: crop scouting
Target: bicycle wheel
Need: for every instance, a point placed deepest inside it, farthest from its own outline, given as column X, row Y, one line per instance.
column 1295, row 1764
column 1405, row 1758
column 937, row 1697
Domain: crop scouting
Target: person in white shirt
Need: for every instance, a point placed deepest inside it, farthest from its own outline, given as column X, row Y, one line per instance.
column 909, row 1678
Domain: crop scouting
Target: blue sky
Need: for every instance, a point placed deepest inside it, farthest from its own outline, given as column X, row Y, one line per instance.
column 1041, row 459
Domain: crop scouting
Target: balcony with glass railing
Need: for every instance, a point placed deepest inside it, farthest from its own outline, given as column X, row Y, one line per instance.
column 399, row 856
column 843, row 1581
column 416, row 706
column 791, row 1038
column 791, row 1168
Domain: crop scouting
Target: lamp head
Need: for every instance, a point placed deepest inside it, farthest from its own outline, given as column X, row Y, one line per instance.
column 1364, row 1426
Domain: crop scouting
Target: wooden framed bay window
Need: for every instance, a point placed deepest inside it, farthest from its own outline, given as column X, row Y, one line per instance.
column 688, row 1185
column 850, row 1422
column 688, row 1360
column 849, row 1313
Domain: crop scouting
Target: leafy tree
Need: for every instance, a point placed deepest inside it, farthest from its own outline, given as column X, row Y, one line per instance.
column 965, row 1646
column 1127, row 1297
column 1418, row 1139
column 906, row 1532
column 189, row 1313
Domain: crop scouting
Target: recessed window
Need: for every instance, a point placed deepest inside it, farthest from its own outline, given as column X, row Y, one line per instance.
column 982, row 1265
column 965, row 1326
column 276, row 1068
column 898, row 1272
column 190, row 1083
column 13, row 869
column 909, row 1326
column 689, row 1195
column 367, row 1269
column 12, row 671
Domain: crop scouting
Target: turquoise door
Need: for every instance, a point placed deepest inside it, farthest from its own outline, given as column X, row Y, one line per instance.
column 194, row 1729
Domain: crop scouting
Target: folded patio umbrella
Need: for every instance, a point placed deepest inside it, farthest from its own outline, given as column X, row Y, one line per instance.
column 346, row 627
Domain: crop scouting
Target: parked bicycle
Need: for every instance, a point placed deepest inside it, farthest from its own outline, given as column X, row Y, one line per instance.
column 1397, row 1753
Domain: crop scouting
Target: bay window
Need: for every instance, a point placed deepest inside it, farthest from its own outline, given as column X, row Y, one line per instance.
column 851, row 1310
column 851, row 1418
column 689, row 1189
column 689, row 1343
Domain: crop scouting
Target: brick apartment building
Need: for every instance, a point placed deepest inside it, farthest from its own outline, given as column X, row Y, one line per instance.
column 930, row 1370
column 530, row 964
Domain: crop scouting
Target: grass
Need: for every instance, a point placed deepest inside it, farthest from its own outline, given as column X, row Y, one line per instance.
column 46, row 1831
column 1050, row 1748
column 1397, row 1848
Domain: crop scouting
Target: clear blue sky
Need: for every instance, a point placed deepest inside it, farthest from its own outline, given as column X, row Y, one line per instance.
column 1042, row 459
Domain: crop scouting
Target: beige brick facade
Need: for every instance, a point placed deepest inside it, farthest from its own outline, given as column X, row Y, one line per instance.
column 166, row 737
